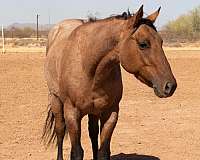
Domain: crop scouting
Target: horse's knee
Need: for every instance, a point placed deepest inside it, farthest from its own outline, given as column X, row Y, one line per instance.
column 60, row 127
column 93, row 133
column 77, row 153
column 110, row 123
column 56, row 105
column 72, row 125
column 72, row 117
column 93, row 128
column 56, row 108
column 104, row 155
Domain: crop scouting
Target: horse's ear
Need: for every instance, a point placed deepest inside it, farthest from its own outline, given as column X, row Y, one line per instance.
column 134, row 20
column 152, row 17
column 140, row 13
column 129, row 13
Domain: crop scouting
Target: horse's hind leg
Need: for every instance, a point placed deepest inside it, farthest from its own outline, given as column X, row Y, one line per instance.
column 93, row 127
column 108, row 123
column 57, row 109
column 73, row 123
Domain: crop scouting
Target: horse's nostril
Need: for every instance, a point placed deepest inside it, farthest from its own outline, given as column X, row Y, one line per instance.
column 170, row 88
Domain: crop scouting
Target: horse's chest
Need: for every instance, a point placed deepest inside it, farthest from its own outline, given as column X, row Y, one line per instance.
column 107, row 93
column 105, row 98
column 104, row 93
column 99, row 100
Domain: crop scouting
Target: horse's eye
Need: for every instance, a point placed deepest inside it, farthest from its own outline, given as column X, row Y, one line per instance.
column 144, row 45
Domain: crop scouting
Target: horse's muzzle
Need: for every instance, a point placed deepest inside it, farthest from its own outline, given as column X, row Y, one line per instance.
column 167, row 91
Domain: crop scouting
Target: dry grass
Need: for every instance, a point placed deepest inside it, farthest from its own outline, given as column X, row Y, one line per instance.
column 25, row 49
column 32, row 45
column 22, row 45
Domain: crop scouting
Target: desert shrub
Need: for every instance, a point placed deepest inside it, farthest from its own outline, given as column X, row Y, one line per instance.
column 26, row 32
column 19, row 33
column 186, row 26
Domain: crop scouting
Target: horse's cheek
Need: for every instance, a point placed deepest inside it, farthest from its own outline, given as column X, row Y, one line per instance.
column 130, row 58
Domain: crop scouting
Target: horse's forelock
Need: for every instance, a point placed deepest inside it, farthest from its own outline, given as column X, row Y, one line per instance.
column 148, row 23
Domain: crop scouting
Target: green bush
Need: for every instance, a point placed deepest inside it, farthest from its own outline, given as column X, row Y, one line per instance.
column 186, row 26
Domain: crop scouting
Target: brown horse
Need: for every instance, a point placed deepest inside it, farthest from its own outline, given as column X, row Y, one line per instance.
column 84, row 77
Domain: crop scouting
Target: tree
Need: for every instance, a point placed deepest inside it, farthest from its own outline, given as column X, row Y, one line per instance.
column 195, row 16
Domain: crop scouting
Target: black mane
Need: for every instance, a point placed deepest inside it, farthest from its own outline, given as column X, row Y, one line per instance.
column 125, row 16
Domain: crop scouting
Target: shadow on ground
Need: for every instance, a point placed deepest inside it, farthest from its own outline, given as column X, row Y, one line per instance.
column 123, row 156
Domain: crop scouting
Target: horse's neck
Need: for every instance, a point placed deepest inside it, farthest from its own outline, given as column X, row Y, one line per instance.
column 102, row 40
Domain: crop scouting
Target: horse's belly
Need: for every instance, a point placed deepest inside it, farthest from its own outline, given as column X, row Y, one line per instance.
column 98, row 99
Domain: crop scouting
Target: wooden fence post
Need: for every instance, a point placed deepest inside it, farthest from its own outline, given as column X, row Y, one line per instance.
column 3, row 40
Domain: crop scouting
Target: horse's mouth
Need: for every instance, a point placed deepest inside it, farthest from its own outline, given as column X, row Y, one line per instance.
column 158, row 93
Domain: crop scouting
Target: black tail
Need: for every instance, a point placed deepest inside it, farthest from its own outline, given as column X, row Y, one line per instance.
column 49, row 134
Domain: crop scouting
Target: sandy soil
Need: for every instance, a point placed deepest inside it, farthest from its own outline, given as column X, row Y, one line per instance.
column 152, row 128
column 21, row 49
column 24, row 49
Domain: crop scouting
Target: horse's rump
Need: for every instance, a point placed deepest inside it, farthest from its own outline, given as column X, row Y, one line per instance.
column 57, row 35
column 61, row 31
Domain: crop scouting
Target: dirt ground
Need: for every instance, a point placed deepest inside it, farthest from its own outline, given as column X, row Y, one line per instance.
column 149, row 128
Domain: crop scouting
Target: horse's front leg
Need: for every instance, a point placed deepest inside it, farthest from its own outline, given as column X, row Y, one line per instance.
column 73, row 123
column 108, row 123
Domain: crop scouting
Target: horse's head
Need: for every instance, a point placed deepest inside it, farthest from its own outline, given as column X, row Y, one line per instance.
column 141, row 54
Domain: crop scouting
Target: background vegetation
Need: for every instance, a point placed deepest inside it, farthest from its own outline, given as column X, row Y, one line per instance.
column 26, row 32
column 184, row 28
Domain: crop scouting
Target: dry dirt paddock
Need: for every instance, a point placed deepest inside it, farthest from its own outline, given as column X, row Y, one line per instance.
column 149, row 128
